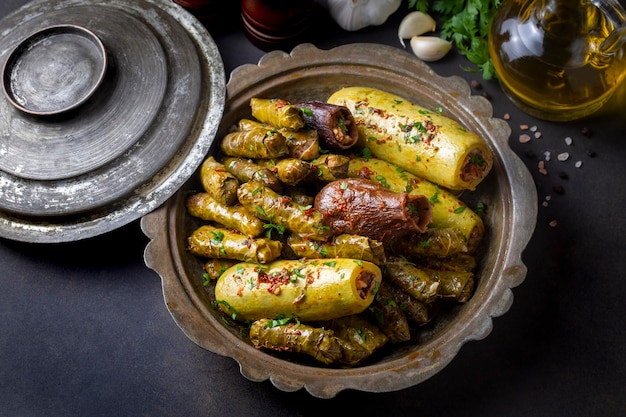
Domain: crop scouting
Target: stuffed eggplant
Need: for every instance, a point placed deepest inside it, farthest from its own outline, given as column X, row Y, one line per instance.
column 311, row 290
column 215, row 242
column 277, row 112
column 447, row 209
column 419, row 140
column 235, row 217
column 334, row 124
column 362, row 207
column 281, row 211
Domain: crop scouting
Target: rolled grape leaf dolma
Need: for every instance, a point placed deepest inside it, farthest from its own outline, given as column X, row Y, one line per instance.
column 459, row 262
column 277, row 112
column 362, row 207
column 359, row 338
column 319, row 343
column 303, row 143
column 415, row 281
column 290, row 171
column 256, row 143
column 417, row 312
column 218, row 182
column 434, row 242
column 334, row 124
column 216, row 267
column 417, row 139
column 453, row 285
column 281, row 211
column 330, row 167
column 214, row 242
column 311, row 290
column 341, row 246
column 389, row 316
column 247, row 170
column 236, row 217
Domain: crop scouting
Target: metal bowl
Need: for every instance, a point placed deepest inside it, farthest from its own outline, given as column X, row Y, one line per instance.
column 54, row 70
column 508, row 191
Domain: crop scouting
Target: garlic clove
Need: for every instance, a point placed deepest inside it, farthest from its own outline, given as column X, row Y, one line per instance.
column 430, row 48
column 415, row 24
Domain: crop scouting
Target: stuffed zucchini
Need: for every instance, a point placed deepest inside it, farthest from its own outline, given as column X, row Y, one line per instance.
column 311, row 290
column 417, row 139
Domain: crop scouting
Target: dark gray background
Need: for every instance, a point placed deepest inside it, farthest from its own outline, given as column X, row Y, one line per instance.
column 84, row 330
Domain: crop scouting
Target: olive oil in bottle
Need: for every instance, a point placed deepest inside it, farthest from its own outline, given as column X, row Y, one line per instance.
column 558, row 59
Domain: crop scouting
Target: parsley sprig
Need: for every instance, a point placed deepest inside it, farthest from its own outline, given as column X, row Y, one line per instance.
column 466, row 24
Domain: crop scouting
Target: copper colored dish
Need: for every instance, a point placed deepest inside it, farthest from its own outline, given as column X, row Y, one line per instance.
column 309, row 73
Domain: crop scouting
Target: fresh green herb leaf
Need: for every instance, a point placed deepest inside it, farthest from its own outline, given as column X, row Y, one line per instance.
column 466, row 24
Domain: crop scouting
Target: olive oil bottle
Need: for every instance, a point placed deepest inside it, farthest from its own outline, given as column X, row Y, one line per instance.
column 559, row 60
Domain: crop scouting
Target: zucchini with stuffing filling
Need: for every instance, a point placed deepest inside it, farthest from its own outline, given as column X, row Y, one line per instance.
column 417, row 139
column 311, row 290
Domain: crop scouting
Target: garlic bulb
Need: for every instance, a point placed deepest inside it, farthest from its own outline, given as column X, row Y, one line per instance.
column 415, row 24
column 430, row 48
column 353, row 15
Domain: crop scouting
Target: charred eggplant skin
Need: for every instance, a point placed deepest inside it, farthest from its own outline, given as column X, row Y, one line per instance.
column 335, row 124
column 362, row 207
column 448, row 210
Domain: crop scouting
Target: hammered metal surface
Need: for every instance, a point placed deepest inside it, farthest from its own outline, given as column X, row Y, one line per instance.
column 312, row 74
column 130, row 146
column 54, row 70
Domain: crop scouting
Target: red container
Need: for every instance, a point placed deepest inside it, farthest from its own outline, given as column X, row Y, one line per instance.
column 277, row 24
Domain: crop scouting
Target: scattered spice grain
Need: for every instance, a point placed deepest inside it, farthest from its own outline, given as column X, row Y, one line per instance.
column 564, row 156
column 524, row 138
